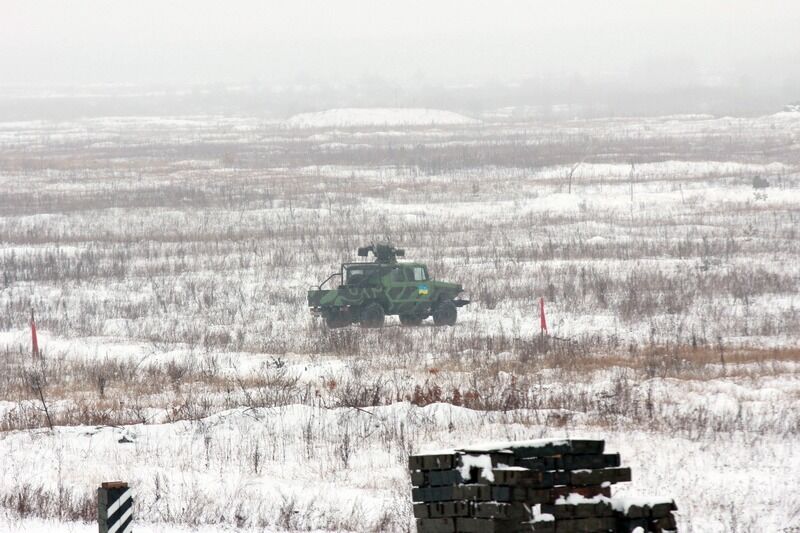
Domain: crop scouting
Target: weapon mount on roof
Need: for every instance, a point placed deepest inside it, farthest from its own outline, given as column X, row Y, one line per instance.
column 384, row 253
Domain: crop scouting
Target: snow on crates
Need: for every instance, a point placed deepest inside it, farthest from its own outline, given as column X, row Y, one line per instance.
column 545, row 485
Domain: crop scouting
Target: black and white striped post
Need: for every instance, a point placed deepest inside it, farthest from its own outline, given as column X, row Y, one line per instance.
column 114, row 507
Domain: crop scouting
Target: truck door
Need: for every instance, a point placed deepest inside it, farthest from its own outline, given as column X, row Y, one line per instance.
column 408, row 288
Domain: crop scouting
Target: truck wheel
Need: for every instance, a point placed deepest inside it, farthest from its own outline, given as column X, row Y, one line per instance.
column 336, row 320
column 445, row 314
column 372, row 316
column 410, row 320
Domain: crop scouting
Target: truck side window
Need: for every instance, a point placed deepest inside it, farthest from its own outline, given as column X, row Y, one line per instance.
column 354, row 275
column 419, row 274
column 397, row 275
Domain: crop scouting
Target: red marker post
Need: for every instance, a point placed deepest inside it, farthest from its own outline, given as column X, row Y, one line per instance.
column 34, row 339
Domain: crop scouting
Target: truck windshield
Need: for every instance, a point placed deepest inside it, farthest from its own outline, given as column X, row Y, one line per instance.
column 359, row 275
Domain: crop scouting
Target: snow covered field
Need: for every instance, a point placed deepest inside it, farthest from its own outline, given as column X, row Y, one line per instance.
column 167, row 259
column 372, row 117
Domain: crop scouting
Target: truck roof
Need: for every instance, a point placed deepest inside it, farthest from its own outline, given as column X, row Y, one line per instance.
column 371, row 263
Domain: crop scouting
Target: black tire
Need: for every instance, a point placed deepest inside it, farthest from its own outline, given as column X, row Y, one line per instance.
column 410, row 320
column 372, row 316
column 445, row 314
column 336, row 320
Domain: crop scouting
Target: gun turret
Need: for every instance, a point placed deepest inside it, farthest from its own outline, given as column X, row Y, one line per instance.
column 384, row 253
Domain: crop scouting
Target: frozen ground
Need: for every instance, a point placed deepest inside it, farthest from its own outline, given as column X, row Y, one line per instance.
column 377, row 117
column 167, row 259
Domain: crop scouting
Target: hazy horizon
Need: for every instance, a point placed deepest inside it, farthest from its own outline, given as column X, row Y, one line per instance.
column 440, row 41
column 743, row 53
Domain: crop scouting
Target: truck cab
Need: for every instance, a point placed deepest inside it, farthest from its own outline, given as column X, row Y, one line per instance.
column 368, row 291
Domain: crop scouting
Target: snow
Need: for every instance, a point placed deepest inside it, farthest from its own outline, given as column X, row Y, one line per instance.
column 574, row 499
column 498, row 446
column 192, row 457
column 377, row 117
column 38, row 525
column 217, row 286
column 674, row 169
column 442, row 451
column 624, row 502
column 482, row 462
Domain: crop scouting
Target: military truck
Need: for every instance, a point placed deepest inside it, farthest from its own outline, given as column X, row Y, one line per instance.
column 365, row 292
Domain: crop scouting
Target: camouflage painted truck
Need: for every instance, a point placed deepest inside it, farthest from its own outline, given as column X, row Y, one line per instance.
column 367, row 292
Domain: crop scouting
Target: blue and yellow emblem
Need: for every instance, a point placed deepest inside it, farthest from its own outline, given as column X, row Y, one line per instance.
column 423, row 290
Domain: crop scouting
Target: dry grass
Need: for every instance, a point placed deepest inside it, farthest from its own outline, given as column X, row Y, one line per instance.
column 193, row 249
column 115, row 393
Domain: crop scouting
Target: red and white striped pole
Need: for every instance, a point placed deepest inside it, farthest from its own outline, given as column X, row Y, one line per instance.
column 34, row 339
column 542, row 319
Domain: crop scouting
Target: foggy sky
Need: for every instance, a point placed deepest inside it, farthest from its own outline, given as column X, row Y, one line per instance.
column 409, row 42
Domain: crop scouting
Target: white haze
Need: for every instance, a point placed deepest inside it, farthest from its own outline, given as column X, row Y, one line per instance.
column 640, row 42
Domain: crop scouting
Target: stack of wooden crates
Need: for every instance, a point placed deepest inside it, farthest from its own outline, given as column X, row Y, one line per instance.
column 546, row 485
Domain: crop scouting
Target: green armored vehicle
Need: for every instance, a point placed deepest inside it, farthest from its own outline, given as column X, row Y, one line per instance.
column 367, row 292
